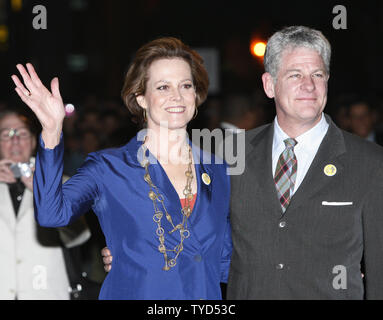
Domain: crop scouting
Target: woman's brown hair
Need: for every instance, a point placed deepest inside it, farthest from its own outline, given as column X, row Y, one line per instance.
column 162, row 48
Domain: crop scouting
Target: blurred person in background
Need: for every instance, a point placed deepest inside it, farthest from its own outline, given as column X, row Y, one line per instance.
column 32, row 260
column 3, row 106
column 113, row 129
column 89, row 118
column 209, row 116
column 241, row 111
column 337, row 107
column 363, row 120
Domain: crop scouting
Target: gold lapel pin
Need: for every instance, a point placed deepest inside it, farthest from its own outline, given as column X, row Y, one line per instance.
column 205, row 178
column 329, row 170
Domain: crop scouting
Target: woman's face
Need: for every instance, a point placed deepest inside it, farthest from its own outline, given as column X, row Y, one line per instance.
column 170, row 98
column 18, row 148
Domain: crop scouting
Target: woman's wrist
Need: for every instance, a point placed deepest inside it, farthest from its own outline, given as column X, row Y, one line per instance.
column 51, row 139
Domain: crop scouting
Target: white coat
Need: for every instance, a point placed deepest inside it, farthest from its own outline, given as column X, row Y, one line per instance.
column 32, row 265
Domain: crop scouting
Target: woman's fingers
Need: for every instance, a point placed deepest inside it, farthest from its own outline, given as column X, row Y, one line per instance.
column 6, row 174
column 5, row 162
column 35, row 78
column 107, row 260
column 23, row 96
column 26, row 78
column 105, row 252
column 7, row 178
column 28, row 182
column 55, row 88
column 47, row 105
column 20, row 86
column 27, row 100
column 34, row 99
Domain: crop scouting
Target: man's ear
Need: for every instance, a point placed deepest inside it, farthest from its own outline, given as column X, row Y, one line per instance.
column 268, row 84
column 141, row 101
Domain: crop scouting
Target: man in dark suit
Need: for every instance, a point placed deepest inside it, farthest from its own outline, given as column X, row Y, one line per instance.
column 306, row 214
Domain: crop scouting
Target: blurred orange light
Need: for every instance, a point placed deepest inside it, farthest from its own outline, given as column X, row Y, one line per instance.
column 258, row 48
column 16, row 5
column 3, row 33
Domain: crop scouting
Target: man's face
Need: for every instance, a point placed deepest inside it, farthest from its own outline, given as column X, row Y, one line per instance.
column 18, row 148
column 300, row 91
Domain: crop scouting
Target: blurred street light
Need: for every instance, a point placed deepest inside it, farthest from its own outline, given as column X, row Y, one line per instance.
column 258, row 48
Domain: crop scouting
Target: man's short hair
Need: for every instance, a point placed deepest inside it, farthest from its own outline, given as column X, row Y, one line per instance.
column 291, row 38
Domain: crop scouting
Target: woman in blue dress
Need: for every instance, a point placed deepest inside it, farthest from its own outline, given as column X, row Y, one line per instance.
column 163, row 211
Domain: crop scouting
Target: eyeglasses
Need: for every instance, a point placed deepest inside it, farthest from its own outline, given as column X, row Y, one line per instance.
column 8, row 134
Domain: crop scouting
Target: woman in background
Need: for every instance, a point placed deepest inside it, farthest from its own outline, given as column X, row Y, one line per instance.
column 32, row 264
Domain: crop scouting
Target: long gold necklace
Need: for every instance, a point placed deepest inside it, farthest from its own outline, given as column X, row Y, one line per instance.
column 157, row 198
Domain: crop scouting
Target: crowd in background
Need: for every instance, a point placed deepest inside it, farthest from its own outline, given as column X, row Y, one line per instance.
column 105, row 123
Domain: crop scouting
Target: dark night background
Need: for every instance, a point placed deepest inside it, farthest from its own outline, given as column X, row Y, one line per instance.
column 107, row 33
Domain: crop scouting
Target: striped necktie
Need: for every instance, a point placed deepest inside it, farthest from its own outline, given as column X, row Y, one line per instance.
column 286, row 173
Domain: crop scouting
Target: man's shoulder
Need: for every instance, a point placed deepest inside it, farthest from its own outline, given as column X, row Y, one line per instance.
column 250, row 134
column 362, row 148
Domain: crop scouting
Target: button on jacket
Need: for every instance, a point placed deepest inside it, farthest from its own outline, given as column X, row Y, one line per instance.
column 333, row 224
column 111, row 182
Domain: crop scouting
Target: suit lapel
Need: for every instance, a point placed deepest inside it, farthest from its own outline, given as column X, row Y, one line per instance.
column 259, row 170
column 329, row 152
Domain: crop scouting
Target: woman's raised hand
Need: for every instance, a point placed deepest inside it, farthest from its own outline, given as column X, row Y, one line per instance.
column 47, row 105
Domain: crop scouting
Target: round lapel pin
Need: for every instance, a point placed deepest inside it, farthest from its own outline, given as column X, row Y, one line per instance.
column 205, row 178
column 329, row 170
